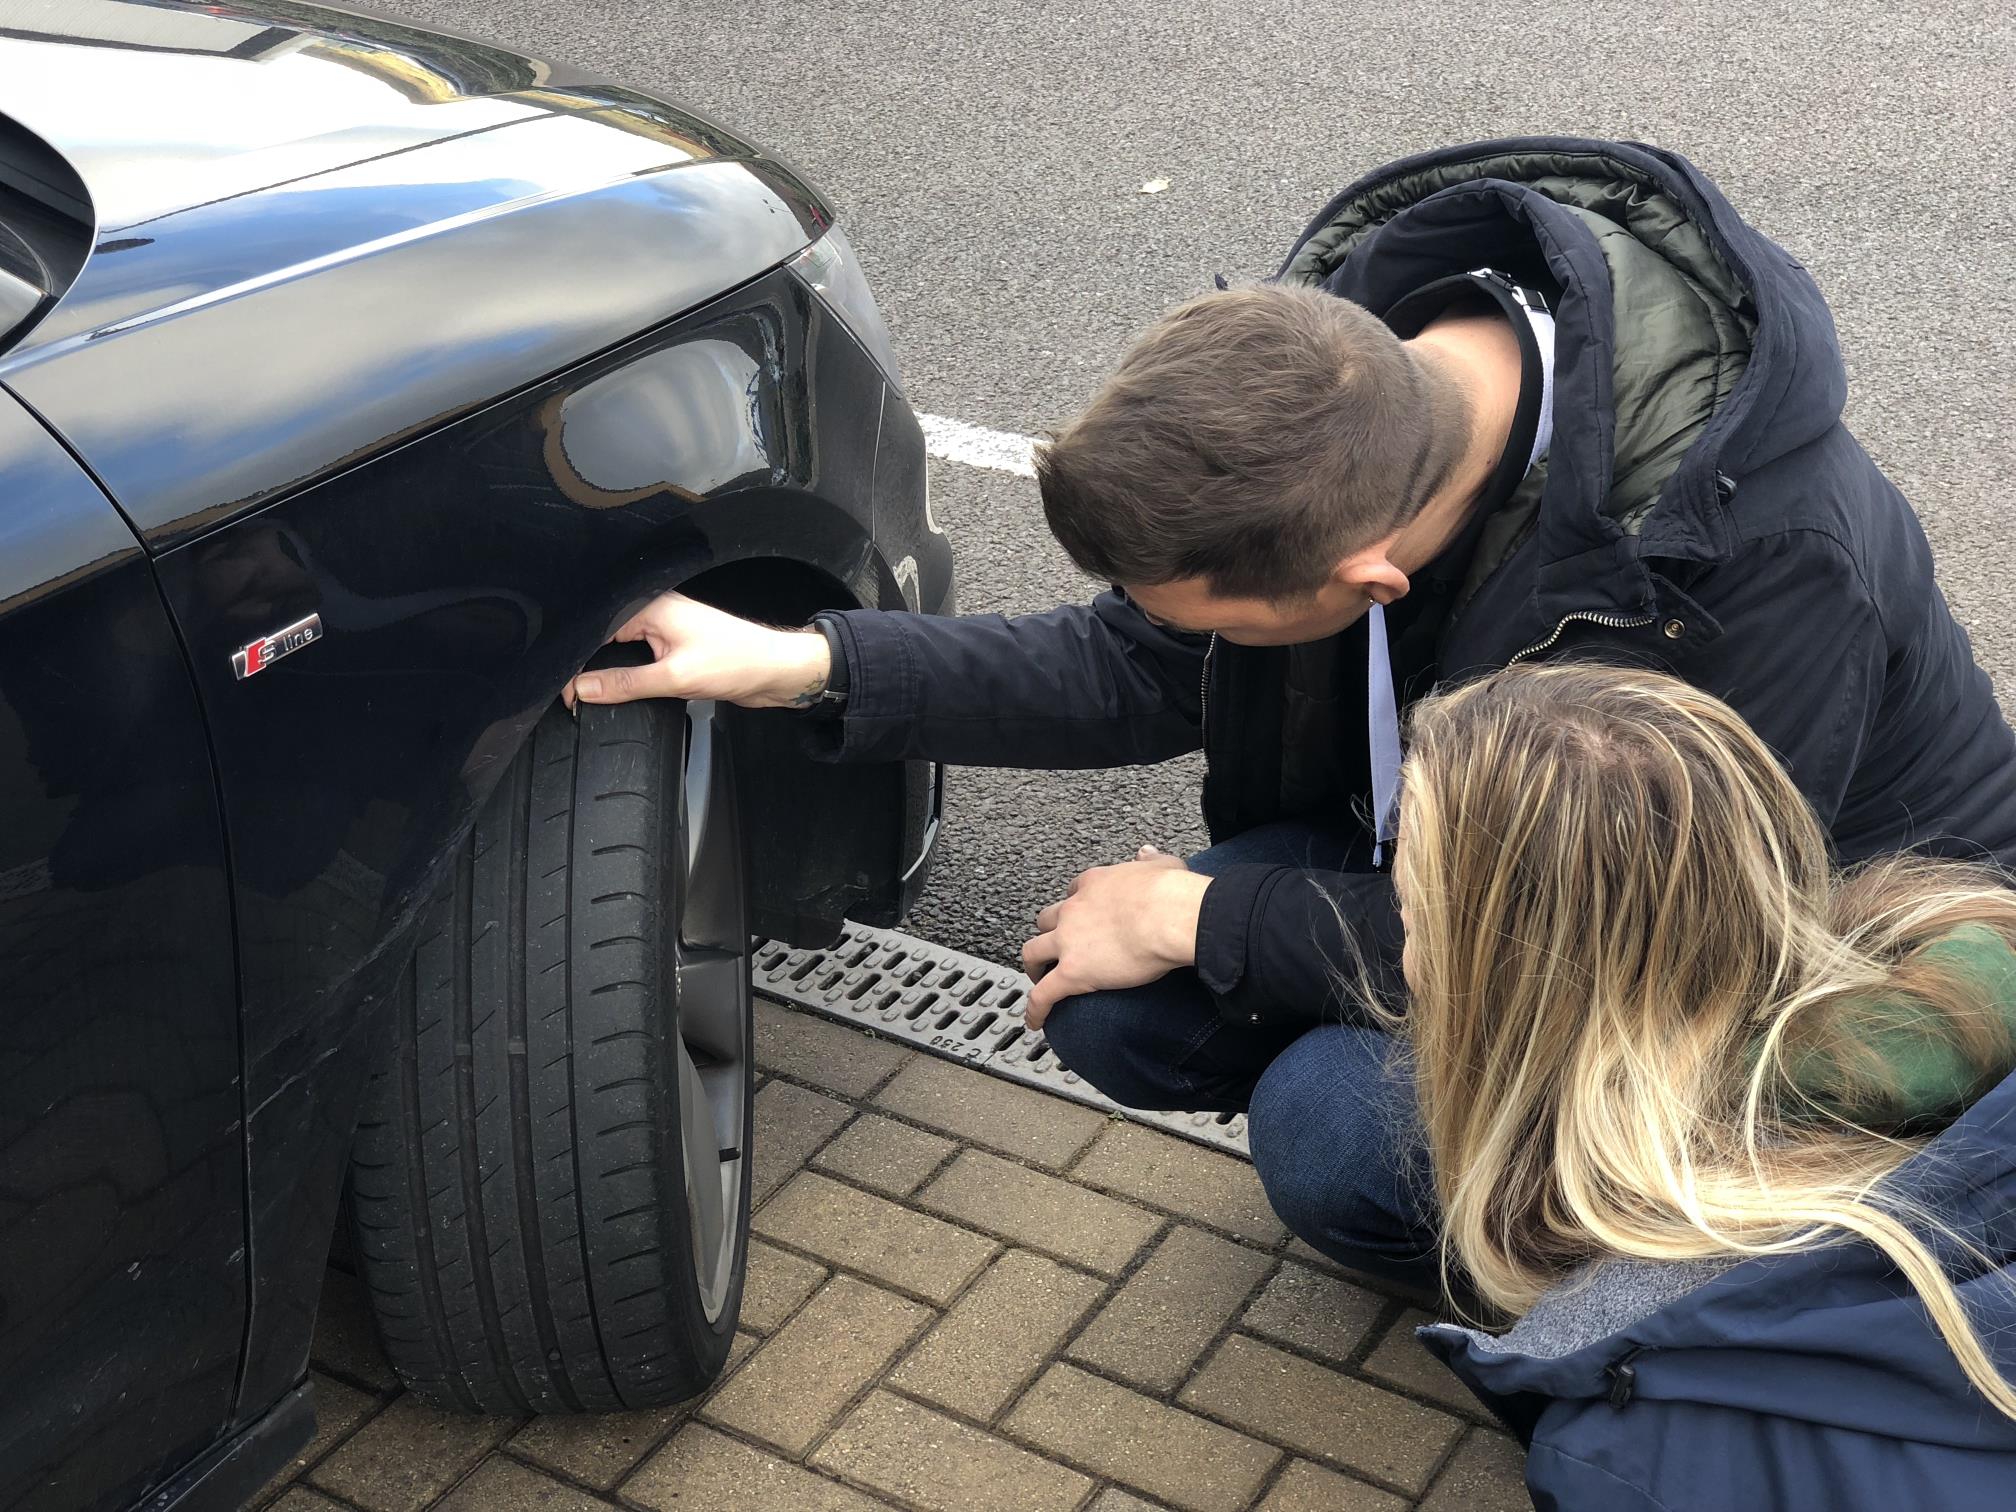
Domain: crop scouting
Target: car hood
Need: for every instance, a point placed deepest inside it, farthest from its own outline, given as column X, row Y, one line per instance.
column 321, row 231
column 161, row 107
column 169, row 110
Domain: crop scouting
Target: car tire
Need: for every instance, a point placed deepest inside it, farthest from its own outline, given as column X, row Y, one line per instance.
column 550, row 1182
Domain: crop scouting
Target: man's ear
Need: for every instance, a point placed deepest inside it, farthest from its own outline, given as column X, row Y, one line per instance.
column 1372, row 574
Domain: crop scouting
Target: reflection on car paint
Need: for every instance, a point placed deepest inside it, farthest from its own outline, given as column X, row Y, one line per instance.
column 122, row 1292
column 697, row 416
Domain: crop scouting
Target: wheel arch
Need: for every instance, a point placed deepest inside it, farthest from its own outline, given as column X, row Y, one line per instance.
column 826, row 842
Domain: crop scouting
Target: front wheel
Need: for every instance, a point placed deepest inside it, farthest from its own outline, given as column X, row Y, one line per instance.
column 550, row 1184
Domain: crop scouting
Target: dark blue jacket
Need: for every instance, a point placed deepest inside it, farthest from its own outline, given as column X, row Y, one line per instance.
column 1777, row 568
column 1814, row 1383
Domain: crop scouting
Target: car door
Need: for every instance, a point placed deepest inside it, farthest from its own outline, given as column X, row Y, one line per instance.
column 122, row 1163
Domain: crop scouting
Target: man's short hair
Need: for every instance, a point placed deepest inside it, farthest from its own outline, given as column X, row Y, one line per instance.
column 1252, row 438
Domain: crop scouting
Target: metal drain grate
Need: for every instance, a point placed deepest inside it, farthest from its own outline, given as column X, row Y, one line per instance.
column 954, row 1005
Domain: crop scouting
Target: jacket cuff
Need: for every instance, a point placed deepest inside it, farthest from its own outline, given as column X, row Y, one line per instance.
column 1282, row 945
column 835, row 694
column 1233, row 903
column 881, row 683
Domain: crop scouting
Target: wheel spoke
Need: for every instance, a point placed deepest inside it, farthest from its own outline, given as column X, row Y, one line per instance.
column 710, row 1002
column 711, row 1005
column 710, row 911
column 706, row 1202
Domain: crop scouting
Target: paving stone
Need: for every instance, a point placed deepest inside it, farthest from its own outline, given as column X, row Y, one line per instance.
column 704, row 1471
column 601, row 1448
column 1040, row 1212
column 408, row 1455
column 346, row 1339
column 791, row 1122
column 1113, row 1499
column 1187, row 1179
column 911, row 1251
column 1420, row 1296
column 1402, row 1360
column 1325, row 1316
column 501, row 1484
column 985, row 1110
column 774, row 1284
column 1486, row 1474
column 1171, row 1309
column 799, row 1381
column 1176, row 1456
column 338, row 1409
column 301, row 1499
column 1322, row 1414
column 880, row 1153
column 1311, row 1488
column 838, row 1057
column 744, row 1346
column 927, row 1460
column 596, row 1448
column 993, row 1342
column 1308, row 1254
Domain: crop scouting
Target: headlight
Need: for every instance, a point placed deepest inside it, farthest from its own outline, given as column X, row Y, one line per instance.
column 830, row 267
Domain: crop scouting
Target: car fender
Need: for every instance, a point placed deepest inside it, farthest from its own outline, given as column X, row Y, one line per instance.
column 459, row 580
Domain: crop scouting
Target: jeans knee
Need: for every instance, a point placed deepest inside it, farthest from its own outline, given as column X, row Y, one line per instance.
column 1309, row 1162
column 1092, row 1035
column 1332, row 1134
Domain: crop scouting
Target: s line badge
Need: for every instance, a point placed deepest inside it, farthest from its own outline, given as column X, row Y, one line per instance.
column 261, row 654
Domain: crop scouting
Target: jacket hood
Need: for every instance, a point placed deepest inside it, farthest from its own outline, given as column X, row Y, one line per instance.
column 1833, row 1337
column 1638, row 241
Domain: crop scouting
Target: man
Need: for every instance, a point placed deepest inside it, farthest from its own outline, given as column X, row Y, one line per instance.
column 1524, row 399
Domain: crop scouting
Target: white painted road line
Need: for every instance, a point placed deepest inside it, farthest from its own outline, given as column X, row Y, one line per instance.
column 976, row 446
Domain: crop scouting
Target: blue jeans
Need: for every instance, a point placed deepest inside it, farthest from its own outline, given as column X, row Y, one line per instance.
column 1329, row 1110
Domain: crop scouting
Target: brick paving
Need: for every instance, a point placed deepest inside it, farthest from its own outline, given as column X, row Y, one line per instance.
column 964, row 1296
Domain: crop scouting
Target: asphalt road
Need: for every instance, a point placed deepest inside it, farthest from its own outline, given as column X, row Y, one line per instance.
column 987, row 160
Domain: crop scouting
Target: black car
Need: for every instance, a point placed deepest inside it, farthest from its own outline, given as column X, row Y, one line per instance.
column 355, row 382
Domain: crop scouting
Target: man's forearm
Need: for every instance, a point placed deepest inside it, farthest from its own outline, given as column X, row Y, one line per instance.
column 804, row 672
column 1079, row 687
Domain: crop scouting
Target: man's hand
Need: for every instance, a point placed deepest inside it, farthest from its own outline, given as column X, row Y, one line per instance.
column 1120, row 926
column 698, row 652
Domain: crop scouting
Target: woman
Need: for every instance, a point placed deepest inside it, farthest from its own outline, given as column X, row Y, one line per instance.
column 1735, row 1134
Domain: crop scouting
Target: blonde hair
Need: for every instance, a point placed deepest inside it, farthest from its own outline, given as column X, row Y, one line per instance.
column 1623, row 935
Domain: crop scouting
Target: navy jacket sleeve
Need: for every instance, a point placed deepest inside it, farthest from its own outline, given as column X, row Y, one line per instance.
column 1282, row 944
column 1093, row 685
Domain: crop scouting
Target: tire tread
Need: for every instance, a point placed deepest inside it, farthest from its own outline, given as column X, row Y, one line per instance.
column 518, row 1030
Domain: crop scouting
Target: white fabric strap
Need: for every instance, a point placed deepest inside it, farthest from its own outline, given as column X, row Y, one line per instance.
column 1543, row 336
column 1382, row 720
column 1382, row 709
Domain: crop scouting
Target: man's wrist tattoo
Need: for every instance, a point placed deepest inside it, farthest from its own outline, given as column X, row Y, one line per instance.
column 809, row 695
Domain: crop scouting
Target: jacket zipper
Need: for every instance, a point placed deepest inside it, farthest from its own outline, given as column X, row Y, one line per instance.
column 1204, row 687
column 1586, row 616
column 1623, row 1377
